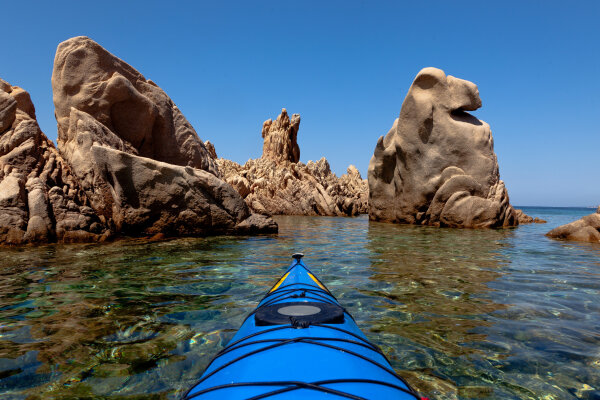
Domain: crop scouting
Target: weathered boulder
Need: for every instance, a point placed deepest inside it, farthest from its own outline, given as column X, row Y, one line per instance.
column 437, row 165
column 90, row 79
column 40, row 198
column 139, row 161
column 586, row 229
column 141, row 196
column 280, row 138
column 275, row 184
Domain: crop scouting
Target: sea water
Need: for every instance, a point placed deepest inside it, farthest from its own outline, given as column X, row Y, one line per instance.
column 461, row 314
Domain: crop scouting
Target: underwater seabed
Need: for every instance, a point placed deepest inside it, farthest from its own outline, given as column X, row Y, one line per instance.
column 461, row 314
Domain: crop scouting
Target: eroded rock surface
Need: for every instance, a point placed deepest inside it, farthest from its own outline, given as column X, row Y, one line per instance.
column 40, row 198
column 586, row 229
column 437, row 166
column 90, row 79
column 278, row 184
column 139, row 161
column 280, row 138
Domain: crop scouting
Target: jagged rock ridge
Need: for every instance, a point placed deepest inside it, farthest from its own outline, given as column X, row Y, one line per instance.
column 280, row 138
column 279, row 184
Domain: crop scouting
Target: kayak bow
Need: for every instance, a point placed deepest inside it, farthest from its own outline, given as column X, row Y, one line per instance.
column 300, row 343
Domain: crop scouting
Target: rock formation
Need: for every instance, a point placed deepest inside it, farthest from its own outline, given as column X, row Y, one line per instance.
column 88, row 78
column 280, row 138
column 140, row 162
column 526, row 219
column 278, row 183
column 586, row 229
column 40, row 198
column 128, row 161
column 437, row 165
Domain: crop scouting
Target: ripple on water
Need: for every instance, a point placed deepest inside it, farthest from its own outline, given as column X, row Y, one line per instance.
column 462, row 314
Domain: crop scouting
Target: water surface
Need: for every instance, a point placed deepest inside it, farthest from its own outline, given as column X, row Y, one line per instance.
column 461, row 314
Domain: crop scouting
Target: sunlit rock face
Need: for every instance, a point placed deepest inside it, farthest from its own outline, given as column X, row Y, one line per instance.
column 40, row 198
column 437, row 166
column 90, row 79
column 140, row 162
column 279, row 184
column 280, row 138
column 586, row 229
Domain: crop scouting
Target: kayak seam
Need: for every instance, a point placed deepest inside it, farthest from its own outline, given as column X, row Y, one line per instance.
column 366, row 345
column 334, row 381
column 297, row 385
column 281, row 291
column 296, row 340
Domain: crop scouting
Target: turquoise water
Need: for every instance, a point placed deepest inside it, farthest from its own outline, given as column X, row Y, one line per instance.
column 461, row 314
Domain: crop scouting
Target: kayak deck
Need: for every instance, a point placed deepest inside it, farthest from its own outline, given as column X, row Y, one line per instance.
column 300, row 343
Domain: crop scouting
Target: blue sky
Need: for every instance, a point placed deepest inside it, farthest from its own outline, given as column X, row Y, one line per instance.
column 346, row 66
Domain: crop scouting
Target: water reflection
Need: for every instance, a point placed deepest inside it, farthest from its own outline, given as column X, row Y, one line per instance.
column 432, row 285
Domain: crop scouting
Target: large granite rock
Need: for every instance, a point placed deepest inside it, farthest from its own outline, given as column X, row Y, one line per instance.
column 277, row 183
column 139, row 161
column 437, row 165
column 40, row 198
column 586, row 229
column 90, row 79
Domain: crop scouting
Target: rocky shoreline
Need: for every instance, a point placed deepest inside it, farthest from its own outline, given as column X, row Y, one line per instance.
column 128, row 163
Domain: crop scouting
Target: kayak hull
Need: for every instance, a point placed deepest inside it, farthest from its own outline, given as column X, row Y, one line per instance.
column 300, row 343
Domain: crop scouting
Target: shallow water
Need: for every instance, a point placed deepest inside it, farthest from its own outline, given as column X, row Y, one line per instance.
column 461, row 314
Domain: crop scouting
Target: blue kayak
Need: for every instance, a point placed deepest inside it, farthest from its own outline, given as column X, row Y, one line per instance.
column 299, row 343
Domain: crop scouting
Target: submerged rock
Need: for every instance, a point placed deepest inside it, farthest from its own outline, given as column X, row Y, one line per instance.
column 586, row 229
column 40, row 198
column 140, row 162
column 277, row 183
column 437, row 166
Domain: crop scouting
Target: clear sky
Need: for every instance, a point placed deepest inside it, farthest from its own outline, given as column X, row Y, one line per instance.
column 346, row 66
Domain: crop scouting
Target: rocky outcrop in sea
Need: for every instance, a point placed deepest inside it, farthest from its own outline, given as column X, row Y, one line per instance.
column 278, row 183
column 437, row 166
column 586, row 229
column 128, row 162
column 526, row 219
